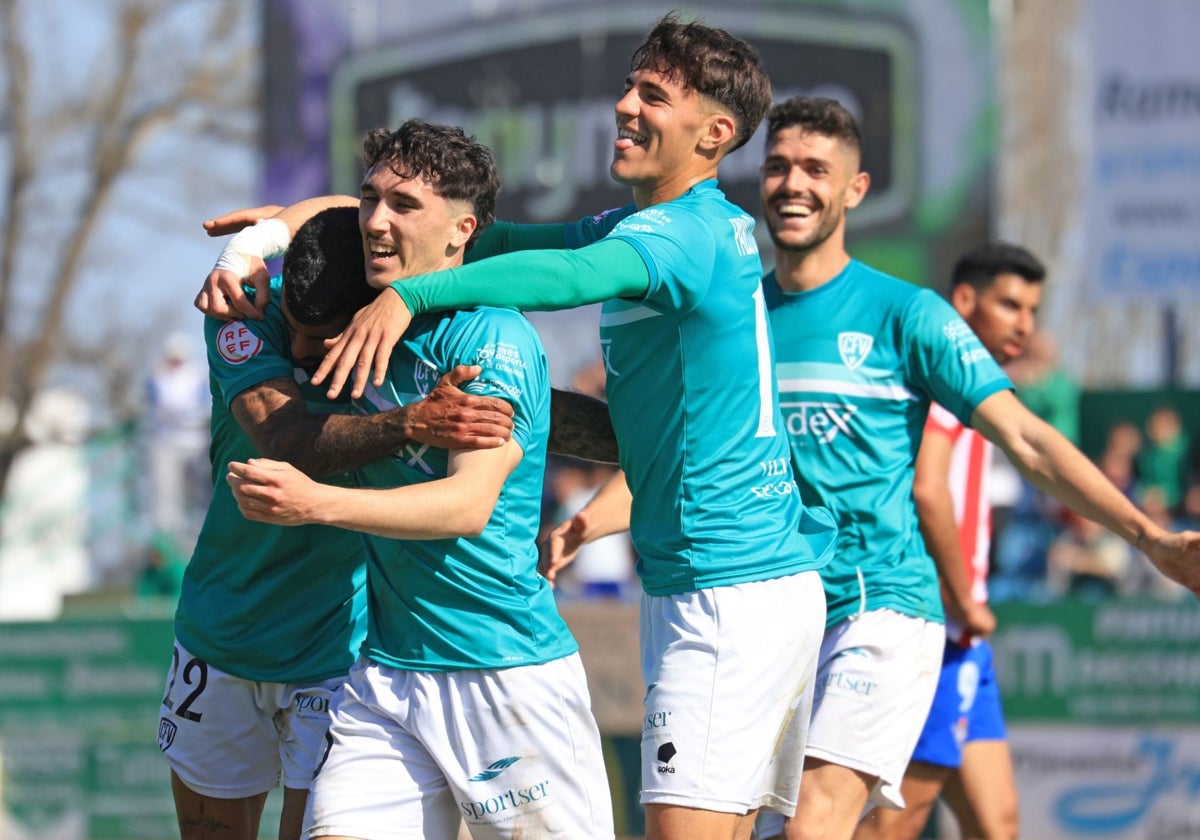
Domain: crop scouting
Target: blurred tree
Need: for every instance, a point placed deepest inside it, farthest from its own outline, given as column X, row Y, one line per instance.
column 94, row 93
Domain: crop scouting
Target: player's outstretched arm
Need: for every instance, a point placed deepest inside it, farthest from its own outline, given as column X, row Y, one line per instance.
column 1054, row 465
column 606, row 513
column 539, row 280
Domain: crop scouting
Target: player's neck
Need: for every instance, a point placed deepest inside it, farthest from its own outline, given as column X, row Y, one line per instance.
column 673, row 186
column 803, row 271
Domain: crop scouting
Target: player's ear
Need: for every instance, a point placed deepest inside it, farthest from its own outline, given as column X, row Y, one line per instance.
column 856, row 190
column 962, row 298
column 464, row 226
column 719, row 131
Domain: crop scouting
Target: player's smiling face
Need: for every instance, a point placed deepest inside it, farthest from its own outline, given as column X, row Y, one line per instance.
column 809, row 181
column 407, row 228
column 659, row 125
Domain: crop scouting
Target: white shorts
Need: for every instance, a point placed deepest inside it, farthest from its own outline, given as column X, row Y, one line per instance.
column 875, row 684
column 730, row 675
column 229, row 738
column 513, row 752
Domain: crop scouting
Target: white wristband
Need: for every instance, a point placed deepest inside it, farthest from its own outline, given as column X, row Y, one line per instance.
column 266, row 239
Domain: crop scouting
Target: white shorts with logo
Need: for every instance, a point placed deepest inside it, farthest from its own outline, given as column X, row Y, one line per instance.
column 729, row 677
column 229, row 738
column 875, row 684
column 513, row 752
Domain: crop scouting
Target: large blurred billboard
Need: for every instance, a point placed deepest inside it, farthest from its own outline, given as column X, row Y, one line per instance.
column 537, row 81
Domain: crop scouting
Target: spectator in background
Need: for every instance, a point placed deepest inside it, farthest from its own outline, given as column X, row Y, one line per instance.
column 1118, row 461
column 1162, row 460
column 177, row 414
column 604, row 567
column 1087, row 561
column 1045, row 388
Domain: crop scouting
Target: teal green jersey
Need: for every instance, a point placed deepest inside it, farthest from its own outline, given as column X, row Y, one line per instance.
column 478, row 602
column 267, row 602
column 695, row 408
column 859, row 359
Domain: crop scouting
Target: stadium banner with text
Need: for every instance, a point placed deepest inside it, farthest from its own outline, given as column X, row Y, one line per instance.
column 1103, row 706
column 1143, row 199
column 537, row 81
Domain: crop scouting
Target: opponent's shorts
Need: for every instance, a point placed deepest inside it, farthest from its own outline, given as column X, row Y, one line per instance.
column 729, row 677
column 229, row 738
column 965, row 708
column 513, row 752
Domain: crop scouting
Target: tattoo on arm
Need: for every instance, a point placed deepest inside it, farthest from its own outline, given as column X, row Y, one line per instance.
column 278, row 423
column 580, row 427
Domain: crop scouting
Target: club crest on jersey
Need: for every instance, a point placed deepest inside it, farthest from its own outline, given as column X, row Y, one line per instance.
column 425, row 376
column 236, row 343
column 854, row 347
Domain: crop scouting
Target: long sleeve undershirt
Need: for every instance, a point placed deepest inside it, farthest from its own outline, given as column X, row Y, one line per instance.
column 538, row 280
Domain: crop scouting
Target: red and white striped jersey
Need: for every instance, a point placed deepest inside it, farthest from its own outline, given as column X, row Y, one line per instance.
column 970, row 469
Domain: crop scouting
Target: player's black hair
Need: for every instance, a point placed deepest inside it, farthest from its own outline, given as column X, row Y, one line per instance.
column 712, row 63
column 982, row 264
column 818, row 115
column 456, row 166
column 324, row 274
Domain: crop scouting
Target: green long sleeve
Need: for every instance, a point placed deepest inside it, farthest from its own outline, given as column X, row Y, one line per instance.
column 507, row 237
column 541, row 281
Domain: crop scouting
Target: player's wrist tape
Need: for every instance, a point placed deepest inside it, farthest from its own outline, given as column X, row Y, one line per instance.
column 266, row 239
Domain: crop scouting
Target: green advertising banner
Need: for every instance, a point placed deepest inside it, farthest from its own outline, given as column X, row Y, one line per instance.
column 1111, row 662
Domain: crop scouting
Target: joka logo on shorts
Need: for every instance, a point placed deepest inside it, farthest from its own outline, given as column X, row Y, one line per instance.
column 665, row 753
column 166, row 733
column 495, row 769
column 854, row 347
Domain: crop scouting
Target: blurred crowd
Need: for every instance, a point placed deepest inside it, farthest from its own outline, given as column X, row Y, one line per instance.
column 1042, row 550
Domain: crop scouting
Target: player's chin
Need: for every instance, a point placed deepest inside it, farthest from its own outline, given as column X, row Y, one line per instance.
column 380, row 279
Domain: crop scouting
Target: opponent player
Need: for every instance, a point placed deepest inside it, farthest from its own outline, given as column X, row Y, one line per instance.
column 962, row 753
column 723, row 538
column 860, row 357
column 470, row 701
column 270, row 619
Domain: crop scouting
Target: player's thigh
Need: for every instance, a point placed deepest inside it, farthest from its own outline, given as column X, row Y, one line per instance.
column 201, row 816
column 375, row 778
column 727, row 709
column 520, row 749
column 875, row 683
column 674, row 822
column 983, row 794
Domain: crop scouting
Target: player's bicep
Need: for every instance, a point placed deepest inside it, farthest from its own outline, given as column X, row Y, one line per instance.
column 478, row 476
column 262, row 409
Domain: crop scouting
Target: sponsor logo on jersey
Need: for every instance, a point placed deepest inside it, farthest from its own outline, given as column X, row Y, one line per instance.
column 854, row 347
column 823, row 420
column 236, row 343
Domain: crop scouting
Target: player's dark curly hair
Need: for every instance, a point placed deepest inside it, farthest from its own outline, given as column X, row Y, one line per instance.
column 818, row 115
column 981, row 265
column 456, row 166
column 324, row 276
column 712, row 63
